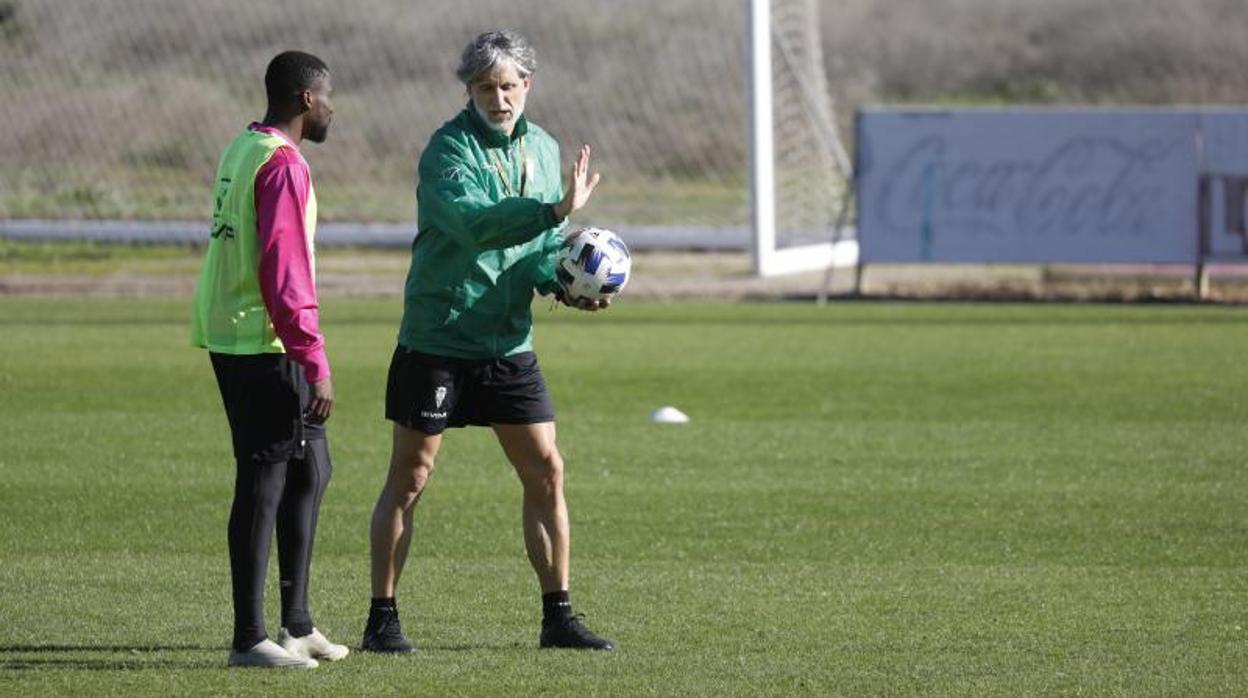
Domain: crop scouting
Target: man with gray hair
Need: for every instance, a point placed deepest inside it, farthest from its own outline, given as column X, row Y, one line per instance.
column 491, row 213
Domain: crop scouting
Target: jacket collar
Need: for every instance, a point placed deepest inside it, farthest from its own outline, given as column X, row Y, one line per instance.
column 491, row 137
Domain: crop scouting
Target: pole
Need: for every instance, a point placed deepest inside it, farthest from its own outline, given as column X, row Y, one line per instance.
column 762, row 146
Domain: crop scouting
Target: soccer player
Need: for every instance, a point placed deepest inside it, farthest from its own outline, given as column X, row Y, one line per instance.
column 256, row 312
column 490, row 219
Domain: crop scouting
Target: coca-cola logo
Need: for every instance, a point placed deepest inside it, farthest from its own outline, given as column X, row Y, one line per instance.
column 1081, row 186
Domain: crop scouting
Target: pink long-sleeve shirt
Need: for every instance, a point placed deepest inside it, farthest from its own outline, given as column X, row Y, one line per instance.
column 286, row 228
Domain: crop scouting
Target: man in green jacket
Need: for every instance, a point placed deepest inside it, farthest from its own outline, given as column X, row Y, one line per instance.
column 491, row 214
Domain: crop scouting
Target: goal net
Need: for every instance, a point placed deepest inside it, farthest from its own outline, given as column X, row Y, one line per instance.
column 797, row 153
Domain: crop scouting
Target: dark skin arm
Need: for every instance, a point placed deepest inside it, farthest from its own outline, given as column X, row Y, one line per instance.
column 322, row 402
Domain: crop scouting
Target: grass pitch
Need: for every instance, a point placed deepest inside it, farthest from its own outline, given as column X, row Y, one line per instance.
column 870, row 499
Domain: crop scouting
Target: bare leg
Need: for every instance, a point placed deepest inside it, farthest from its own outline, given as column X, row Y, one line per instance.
column 532, row 452
column 390, row 532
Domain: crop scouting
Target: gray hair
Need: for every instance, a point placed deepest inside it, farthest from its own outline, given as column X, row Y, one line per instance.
column 492, row 48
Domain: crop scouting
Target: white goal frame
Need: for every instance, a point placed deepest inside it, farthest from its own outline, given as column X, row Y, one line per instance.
column 769, row 260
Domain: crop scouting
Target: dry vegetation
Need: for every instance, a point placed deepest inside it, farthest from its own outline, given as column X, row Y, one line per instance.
column 119, row 107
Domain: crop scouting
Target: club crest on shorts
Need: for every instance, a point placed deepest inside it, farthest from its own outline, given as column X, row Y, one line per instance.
column 439, row 394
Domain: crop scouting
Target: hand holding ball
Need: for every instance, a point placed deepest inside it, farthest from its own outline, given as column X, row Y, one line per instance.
column 592, row 265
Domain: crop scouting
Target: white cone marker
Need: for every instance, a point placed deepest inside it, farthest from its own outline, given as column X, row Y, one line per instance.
column 669, row 415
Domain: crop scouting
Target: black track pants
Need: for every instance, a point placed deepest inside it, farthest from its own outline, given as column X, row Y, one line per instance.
column 282, row 469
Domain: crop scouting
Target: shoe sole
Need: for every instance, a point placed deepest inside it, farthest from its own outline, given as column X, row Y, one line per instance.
column 324, row 656
column 252, row 664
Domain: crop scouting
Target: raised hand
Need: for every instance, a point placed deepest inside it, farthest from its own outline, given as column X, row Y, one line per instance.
column 580, row 188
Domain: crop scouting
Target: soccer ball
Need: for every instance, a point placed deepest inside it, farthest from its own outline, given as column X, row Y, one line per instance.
column 592, row 264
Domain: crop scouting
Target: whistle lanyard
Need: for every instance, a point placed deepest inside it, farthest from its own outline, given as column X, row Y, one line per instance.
column 504, row 175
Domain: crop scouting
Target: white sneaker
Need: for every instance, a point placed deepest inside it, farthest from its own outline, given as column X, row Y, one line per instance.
column 312, row 646
column 267, row 653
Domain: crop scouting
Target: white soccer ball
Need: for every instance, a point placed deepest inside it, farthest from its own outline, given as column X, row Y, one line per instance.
column 592, row 264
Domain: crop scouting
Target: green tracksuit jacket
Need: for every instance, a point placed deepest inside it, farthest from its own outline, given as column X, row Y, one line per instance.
column 486, row 239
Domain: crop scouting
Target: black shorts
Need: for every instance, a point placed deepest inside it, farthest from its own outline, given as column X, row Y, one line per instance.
column 432, row 393
column 265, row 398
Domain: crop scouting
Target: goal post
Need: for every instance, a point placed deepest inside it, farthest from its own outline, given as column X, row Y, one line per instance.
column 762, row 141
column 800, row 175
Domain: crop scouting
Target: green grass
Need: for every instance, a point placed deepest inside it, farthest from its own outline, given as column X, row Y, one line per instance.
column 870, row 499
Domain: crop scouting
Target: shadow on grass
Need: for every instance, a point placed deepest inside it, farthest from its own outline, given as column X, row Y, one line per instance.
column 477, row 647
column 101, row 664
column 53, row 657
column 45, row 657
column 31, row 649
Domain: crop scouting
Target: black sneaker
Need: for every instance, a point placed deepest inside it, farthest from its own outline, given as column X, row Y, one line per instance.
column 384, row 634
column 571, row 633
